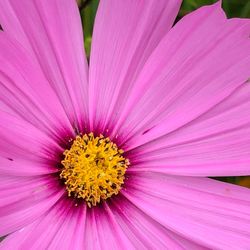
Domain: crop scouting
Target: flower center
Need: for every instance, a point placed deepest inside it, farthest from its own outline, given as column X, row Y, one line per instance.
column 93, row 168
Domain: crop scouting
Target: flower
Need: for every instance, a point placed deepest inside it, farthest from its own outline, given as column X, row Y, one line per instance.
column 116, row 155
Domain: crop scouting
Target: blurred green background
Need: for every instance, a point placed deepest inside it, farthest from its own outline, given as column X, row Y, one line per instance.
column 233, row 8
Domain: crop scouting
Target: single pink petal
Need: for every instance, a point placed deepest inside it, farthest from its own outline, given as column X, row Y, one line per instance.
column 30, row 204
column 125, row 34
column 200, row 62
column 56, row 45
column 47, row 230
column 144, row 232
column 215, row 144
column 26, row 92
column 211, row 213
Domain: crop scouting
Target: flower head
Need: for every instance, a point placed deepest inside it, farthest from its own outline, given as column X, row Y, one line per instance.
column 116, row 154
column 103, row 172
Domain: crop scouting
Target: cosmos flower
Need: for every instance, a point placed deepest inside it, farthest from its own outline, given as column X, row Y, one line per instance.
column 116, row 154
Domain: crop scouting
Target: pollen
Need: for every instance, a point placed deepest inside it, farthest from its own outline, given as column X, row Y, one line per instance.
column 93, row 169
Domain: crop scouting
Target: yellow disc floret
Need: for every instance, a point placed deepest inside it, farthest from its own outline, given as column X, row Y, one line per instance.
column 93, row 168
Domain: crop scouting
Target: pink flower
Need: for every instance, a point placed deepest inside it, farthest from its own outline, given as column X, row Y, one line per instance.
column 175, row 100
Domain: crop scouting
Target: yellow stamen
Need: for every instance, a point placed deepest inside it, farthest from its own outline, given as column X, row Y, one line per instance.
column 93, row 168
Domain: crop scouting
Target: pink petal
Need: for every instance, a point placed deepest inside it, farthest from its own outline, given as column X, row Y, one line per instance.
column 24, row 167
column 215, row 144
column 200, row 62
column 24, row 143
column 78, row 232
column 56, row 45
column 211, row 213
column 102, row 230
column 144, row 232
column 11, row 24
column 91, row 239
column 12, row 191
column 26, row 92
column 53, row 230
column 125, row 34
column 69, row 233
column 63, row 227
column 23, row 200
